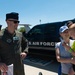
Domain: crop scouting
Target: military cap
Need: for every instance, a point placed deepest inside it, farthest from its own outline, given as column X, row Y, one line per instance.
column 12, row 15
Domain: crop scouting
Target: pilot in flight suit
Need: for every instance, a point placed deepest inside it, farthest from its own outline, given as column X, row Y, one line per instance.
column 13, row 45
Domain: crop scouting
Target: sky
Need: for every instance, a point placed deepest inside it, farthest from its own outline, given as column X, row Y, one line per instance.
column 32, row 11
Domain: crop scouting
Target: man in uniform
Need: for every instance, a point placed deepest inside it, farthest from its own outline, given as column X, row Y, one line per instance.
column 13, row 46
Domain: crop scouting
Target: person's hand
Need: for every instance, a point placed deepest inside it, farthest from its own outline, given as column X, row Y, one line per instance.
column 3, row 67
column 73, row 60
column 64, row 44
column 23, row 55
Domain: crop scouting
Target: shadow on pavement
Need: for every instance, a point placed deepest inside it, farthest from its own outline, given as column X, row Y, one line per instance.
column 50, row 65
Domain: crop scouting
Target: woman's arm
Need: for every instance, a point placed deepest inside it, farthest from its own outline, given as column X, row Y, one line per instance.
column 60, row 59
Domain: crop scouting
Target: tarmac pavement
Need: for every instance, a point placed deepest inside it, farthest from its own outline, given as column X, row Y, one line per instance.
column 30, row 70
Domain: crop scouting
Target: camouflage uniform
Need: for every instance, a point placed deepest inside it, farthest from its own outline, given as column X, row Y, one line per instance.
column 11, row 45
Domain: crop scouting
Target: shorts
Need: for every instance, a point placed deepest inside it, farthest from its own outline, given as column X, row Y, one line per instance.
column 64, row 74
column 73, row 67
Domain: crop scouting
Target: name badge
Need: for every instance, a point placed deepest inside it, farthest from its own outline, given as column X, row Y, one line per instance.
column 15, row 38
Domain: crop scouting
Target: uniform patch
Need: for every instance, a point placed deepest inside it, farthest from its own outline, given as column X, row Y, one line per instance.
column 9, row 40
column 16, row 38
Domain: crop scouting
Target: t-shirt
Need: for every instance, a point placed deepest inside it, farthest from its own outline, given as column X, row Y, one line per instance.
column 73, row 46
column 65, row 54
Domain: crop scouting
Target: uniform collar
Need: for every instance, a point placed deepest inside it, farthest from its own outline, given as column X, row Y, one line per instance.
column 7, row 32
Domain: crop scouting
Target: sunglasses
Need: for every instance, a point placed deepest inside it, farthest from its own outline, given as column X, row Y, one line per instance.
column 15, row 21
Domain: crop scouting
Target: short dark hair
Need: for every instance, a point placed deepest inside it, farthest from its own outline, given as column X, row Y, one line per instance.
column 69, row 23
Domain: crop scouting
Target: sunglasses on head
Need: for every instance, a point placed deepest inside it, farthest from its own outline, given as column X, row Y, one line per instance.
column 15, row 21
